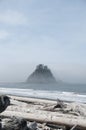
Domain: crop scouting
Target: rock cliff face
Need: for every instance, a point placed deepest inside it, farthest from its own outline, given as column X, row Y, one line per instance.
column 42, row 74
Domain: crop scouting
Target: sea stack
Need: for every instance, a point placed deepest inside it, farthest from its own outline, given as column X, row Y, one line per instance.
column 42, row 74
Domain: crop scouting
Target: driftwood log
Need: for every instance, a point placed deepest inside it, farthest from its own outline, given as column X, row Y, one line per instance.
column 48, row 119
column 23, row 108
column 73, row 127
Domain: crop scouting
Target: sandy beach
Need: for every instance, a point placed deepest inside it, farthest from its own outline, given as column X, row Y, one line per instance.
column 47, row 113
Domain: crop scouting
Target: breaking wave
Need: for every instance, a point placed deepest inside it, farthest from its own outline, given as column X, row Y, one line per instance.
column 48, row 94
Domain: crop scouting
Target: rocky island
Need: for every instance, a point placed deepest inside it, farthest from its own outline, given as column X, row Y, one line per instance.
column 42, row 74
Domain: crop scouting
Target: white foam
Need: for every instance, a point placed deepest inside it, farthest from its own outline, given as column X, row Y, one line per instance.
column 68, row 96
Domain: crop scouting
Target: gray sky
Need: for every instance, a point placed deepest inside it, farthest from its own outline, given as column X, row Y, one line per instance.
column 51, row 32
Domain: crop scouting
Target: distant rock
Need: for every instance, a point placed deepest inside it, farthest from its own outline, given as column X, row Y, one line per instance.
column 42, row 74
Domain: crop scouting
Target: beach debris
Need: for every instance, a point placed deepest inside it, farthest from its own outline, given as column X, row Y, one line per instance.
column 0, row 125
column 53, row 126
column 66, row 108
column 43, row 126
column 60, row 104
column 32, row 126
column 62, row 116
column 76, row 110
column 4, row 102
column 73, row 128
column 14, row 124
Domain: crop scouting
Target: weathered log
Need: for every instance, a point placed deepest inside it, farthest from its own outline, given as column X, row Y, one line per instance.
column 73, row 127
column 56, row 126
column 33, row 100
column 42, row 118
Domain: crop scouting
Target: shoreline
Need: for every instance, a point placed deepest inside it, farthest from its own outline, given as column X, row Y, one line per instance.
column 45, row 111
column 50, row 95
column 39, row 98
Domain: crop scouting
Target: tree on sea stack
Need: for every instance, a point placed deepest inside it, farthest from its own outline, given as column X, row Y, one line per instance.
column 42, row 74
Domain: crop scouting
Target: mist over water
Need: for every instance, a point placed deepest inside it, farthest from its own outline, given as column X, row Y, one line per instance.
column 43, row 32
column 76, row 88
column 47, row 32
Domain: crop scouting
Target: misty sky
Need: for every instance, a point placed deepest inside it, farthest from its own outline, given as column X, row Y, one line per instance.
column 52, row 32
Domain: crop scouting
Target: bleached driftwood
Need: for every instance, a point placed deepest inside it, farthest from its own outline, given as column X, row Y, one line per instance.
column 33, row 109
column 54, row 126
column 33, row 100
column 73, row 127
column 48, row 119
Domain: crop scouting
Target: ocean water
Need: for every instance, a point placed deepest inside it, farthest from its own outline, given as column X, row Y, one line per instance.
column 68, row 92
